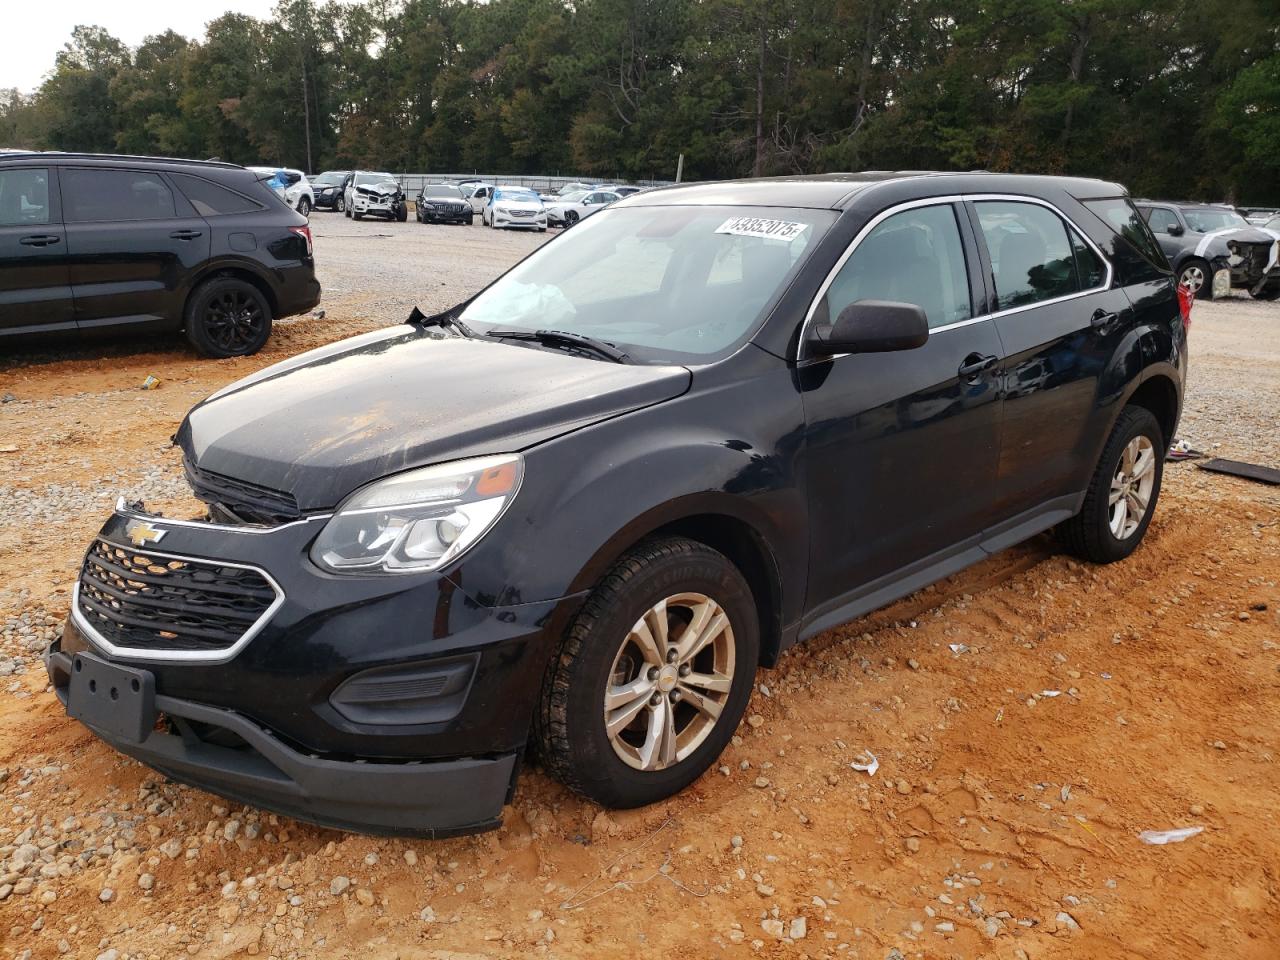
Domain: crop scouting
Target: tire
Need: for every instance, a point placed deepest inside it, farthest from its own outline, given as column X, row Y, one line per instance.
column 1092, row 533
column 357, row 216
column 570, row 218
column 599, row 646
column 227, row 317
column 340, row 205
column 1268, row 293
column 1196, row 276
column 471, row 220
column 402, row 214
column 304, row 207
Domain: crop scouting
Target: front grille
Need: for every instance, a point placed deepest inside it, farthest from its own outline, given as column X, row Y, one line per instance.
column 522, row 213
column 239, row 501
column 144, row 602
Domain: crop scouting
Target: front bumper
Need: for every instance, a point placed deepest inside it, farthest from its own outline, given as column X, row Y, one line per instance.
column 225, row 753
column 538, row 222
column 308, row 715
column 374, row 208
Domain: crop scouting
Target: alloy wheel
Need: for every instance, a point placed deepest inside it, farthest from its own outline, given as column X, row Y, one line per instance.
column 670, row 681
column 234, row 321
column 1131, row 487
column 1192, row 278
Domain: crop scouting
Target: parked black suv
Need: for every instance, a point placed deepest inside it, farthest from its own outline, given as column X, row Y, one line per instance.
column 92, row 243
column 579, row 509
column 1201, row 239
column 330, row 189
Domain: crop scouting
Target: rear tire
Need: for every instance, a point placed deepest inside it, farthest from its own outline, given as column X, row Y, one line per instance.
column 304, row 207
column 227, row 317
column 1128, row 473
column 1196, row 276
column 673, row 711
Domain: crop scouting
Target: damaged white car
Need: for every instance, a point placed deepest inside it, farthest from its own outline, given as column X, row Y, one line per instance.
column 375, row 195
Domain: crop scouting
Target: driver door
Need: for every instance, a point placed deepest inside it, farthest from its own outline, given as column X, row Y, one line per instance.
column 901, row 448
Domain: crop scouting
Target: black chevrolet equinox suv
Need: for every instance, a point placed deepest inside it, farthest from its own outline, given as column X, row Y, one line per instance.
column 572, row 515
column 104, row 243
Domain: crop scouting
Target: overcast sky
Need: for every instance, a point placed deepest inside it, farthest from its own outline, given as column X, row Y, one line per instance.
column 29, row 43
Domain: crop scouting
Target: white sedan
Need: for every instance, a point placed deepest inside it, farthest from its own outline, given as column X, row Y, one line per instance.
column 515, row 207
column 569, row 209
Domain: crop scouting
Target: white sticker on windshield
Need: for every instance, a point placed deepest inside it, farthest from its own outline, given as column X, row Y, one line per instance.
column 785, row 230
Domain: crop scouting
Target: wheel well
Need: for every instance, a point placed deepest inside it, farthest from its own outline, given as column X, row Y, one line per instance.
column 248, row 276
column 748, row 552
column 1160, row 396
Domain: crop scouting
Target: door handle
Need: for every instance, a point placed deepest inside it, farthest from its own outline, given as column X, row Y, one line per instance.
column 40, row 241
column 185, row 234
column 975, row 363
column 1102, row 319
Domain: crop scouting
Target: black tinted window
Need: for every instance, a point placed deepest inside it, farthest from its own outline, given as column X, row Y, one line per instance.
column 1136, row 254
column 1031, row 255
column 95, row 195
column 24, row 196
column 911, row 257
column 1090, row 270
column 211, row 200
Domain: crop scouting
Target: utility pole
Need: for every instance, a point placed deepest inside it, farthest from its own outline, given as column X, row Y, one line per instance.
column 680, row 168
column 302, row 56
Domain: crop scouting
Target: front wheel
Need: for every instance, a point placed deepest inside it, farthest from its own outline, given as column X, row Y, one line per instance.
column 341, row 205
column 652, row 677
column 570, row 218
column 1196, row 277
column 1268, row 293
column 1123, row 492
column 228, row 317
column 402, row 214
column 471, row 219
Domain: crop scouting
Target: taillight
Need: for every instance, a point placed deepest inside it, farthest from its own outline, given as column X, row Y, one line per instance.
column 305, row 234
column 1185, row 299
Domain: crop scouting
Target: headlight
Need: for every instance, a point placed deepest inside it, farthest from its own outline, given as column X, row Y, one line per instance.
column 419, row 520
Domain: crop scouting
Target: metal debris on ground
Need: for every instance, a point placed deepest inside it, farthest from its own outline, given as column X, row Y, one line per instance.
column 1249, row 471
column 1159, row 838
column 151, row 383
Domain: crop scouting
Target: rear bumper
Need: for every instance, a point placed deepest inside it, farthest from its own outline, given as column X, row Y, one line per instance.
column 226, row 753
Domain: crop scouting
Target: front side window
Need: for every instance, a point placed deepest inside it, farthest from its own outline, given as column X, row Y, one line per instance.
column 90, row 196
column 1031, row 256
column 665, row 284
column 24, row 196
column 1161, row 219
column 915, row 256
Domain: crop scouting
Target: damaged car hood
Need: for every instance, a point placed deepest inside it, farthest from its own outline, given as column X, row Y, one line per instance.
column 323, row 423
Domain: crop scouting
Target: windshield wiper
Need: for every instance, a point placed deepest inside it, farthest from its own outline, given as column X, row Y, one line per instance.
column 564, row 338
column 418, row 318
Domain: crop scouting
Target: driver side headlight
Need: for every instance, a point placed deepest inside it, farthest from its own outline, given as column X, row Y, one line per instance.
column 419, row 520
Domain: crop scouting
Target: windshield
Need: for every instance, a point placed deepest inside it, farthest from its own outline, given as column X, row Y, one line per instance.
column 1206, row 221
column 442, row 190
column 365, row 179
column 665, row 284
column 508, row 193
column 331, row 178
column 573, row 197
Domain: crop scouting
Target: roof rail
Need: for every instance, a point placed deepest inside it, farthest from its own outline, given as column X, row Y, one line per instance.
column 115, row 156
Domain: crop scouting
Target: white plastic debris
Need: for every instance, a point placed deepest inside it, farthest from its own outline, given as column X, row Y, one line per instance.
column 1050, row 693
column 867, row 763
column 958, row 648
column 1158, row 838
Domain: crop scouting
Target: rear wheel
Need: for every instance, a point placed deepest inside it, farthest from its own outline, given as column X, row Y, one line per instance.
column 652, row 676
column 1196, row 277
column 1122, row 495
column 228, row 317
column 304, row 207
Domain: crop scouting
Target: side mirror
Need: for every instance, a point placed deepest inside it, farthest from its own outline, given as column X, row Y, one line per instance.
column 1175, row 230
column 873, row 326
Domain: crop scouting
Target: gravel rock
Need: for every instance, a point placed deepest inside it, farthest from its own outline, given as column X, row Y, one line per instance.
column 107, row 895
column 338, row 886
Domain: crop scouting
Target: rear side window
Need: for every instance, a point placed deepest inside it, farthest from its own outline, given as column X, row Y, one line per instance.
column 915, row 256
column 90, row 196
column 1138, row 257
column 212, row 200
column 24, row 196
column 1032, row 256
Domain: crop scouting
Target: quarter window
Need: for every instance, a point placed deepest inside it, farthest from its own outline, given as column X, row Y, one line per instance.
column 1123, row 218
column 915, row 256
column 24, row 196
column 211, row 200
column 1031, row 252
column 96, row 195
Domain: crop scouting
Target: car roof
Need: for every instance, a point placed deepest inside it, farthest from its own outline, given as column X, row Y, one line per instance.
column 114, row 158
column 836, row 191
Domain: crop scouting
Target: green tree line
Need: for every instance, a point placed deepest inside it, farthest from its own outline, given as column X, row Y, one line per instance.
column 1174, row 98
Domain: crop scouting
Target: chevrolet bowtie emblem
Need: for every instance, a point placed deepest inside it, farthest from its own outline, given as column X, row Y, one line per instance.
column 140, row 533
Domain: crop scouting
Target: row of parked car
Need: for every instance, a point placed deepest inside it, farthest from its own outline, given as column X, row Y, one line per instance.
column 365, row 193
column 1213, row 247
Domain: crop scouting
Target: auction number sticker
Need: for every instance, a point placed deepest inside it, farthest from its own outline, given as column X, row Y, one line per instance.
column 785, row 230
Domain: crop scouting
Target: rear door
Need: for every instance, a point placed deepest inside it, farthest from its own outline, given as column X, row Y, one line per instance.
column 901, row 448
column 1060, row 319
column 133, row 242
column 35, row 286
